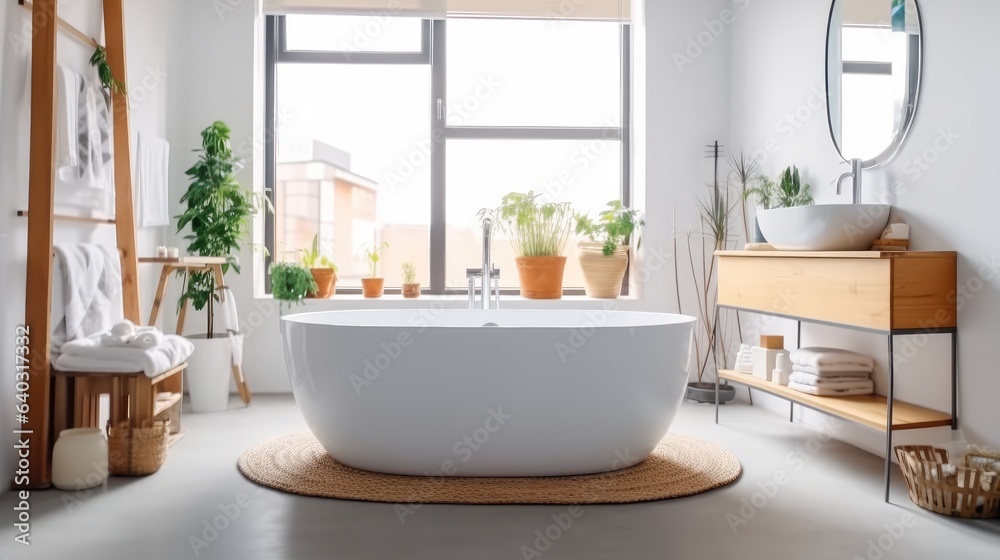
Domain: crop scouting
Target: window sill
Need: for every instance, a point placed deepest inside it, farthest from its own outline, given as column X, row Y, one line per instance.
column 357, row 301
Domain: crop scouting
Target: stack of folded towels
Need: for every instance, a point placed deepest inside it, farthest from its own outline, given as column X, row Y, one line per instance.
column 125, row 348
column 831, row 372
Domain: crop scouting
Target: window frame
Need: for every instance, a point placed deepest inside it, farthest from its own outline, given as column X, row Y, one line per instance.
column 433, row 53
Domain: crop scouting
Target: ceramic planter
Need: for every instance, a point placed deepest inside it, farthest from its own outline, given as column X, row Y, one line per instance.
column 80, row 459
column 208, row 373
column 372, row 287
column 705, row 392
column 326, row 281
column 603, row 274
column 411, row 291
column 541, row 277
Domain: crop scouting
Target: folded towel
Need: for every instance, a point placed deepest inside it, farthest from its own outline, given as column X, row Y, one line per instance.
column 831, row 383
column 92, row 292
column 824, row 357
column 839, row 370
column 89, row 354
column 826, row 392
column 127, row 335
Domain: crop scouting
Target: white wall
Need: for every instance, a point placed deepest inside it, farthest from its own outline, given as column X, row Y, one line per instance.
column 147, row 85
column 938, row 183
column 687, row 109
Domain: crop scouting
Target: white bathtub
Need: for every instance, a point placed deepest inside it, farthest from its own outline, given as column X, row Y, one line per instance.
column 435, row 392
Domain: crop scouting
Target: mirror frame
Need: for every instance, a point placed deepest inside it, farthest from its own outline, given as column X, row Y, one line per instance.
column 890, row 152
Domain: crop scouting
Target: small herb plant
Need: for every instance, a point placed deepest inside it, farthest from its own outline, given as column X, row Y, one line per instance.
column 313, row 258
column 791, row 190
column 535, row 229
column 373, row 254
column 409, row 273
column 614, row 226
column 291, row 282
column 786, row 192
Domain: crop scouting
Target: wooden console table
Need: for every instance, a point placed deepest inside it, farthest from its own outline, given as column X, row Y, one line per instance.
column 888, row 293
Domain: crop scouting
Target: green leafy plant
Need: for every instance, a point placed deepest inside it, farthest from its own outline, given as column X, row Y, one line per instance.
column 314, row 258
column 373, row 254
column 614, row 226
column 743, row 169
column 290, row 282
column 791, row 190
column 765, row 193
column 100, row 61
column 535, row 229
column 409, row 273
column 218, row 211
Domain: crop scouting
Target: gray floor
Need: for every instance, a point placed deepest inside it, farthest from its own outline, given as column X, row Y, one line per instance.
column 828, row 505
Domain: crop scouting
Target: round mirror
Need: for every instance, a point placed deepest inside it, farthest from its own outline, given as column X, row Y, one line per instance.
column 873, row 62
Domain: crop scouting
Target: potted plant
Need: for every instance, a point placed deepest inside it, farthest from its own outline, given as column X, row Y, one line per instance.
column 604, row 258
column 323, row 271
column 373, row 286
column 743, row 168
column 411, row 288
column 711, row 341
column 291, row 283
column 787, row 192
column 217, row 210
column 538, row 233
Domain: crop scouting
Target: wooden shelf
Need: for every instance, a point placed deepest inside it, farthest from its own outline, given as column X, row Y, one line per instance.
column 164, row 404
column 869, row 410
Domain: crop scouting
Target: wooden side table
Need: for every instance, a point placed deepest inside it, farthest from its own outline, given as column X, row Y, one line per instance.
column 188, row 264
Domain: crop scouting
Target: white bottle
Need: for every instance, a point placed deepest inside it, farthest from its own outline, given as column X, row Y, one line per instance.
column 764, row 362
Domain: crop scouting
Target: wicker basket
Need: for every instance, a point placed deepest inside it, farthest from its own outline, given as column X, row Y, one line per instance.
column 962, row 494
column 137, row 451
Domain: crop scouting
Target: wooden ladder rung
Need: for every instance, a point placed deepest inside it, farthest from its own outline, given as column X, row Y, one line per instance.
column 69, row 29
column 79, row 219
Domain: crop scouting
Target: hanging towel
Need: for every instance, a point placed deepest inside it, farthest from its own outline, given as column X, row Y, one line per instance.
column 95, row 155
column 152, row 156
column 67, row 119
column 832, row 383
column 226, row 317
column 826, row 392
column 92, row 292
column 825, row 357
column 838, row 370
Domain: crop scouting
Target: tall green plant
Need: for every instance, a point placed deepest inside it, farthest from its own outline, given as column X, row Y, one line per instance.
column 217, row 211
column 535, row 229
column 614, row 226
column 743, row 168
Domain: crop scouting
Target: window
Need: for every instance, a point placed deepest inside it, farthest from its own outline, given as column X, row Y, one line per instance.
column 400, row 130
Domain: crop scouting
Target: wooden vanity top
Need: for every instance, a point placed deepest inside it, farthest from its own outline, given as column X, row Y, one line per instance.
column 840, row 254
column 882, row 291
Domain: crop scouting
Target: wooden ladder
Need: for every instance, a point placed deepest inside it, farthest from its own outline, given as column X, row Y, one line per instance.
column 41, row 215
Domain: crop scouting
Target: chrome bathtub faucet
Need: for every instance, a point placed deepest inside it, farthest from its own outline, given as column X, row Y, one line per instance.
column 490, row 275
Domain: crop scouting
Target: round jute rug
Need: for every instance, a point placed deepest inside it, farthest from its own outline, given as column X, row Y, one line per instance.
column 679, row 466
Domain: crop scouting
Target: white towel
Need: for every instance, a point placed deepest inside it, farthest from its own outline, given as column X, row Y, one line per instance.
column 825, row 392
column 89, row 354
column 226, row 317
column 67, row 117
column 127, row 335
column 839, row 370
column 92, row 292
column 825, row 357
column 832, row 383
column 152, row 157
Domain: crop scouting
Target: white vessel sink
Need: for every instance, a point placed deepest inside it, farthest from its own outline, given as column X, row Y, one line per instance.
column 826, row 227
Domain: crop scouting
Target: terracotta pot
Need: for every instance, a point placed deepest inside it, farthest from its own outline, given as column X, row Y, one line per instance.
column 541, row 277
column 326, row 280
column 411, row 290
column 372, row 287
column 602, row 274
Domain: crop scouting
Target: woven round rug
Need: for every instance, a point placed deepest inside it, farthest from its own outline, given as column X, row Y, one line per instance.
column 679, row 466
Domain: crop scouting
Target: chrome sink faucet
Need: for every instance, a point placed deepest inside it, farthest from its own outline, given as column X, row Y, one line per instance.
column 490, row 276
column 855, row 175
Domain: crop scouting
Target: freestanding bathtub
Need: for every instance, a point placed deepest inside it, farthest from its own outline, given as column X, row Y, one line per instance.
column 488, row 393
